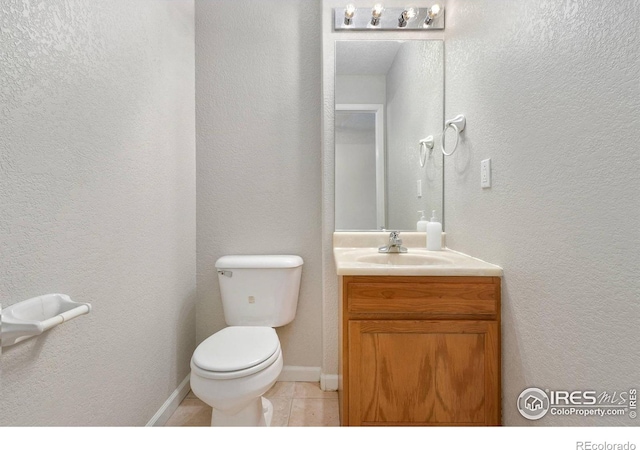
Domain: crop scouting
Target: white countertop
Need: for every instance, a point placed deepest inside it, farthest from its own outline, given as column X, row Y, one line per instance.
column 418, row 261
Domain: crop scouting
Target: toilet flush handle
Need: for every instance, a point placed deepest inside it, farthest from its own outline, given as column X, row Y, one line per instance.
column 226, row 273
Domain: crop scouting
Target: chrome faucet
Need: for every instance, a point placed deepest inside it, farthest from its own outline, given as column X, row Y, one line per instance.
column 395, row 244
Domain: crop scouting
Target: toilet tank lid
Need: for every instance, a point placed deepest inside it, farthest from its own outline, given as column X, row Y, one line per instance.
column 258, row 262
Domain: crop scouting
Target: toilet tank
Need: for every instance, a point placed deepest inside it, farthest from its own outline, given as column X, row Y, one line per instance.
column 259, row 290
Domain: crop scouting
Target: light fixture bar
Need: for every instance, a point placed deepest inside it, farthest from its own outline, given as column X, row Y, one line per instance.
column 362, row 19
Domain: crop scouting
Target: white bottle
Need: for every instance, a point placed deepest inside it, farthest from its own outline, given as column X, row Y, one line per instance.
column 434, row 233
column 422, row 223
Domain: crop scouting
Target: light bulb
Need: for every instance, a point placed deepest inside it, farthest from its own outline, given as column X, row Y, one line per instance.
column 349, row 11
column 409, row 13
column 432, row 13
column 377, row 10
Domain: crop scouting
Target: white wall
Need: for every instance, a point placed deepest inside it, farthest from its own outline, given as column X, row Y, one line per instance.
column 551, row 95
column 258, row 152
column 97, row 200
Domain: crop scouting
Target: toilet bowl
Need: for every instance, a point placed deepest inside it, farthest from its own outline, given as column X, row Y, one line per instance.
column 232, row 369
column 233, row 382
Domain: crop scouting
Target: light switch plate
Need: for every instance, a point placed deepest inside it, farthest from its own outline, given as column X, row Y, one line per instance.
column 485, row 173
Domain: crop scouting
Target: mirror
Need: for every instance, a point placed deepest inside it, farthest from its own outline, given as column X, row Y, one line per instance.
column 389, row 95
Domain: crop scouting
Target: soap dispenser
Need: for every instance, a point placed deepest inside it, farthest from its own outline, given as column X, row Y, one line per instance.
column 422, row 222
column 434, row 233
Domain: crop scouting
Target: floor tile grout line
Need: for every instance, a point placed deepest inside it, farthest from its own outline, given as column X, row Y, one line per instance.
column 293, row 394
column 290, row 411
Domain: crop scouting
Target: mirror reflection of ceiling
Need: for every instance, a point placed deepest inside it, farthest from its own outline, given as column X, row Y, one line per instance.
column 362, row 58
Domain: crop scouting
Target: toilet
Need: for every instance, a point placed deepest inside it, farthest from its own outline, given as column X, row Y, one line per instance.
column 233, row 368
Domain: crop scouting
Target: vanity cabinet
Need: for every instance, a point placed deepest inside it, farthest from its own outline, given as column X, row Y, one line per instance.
column 420, row 350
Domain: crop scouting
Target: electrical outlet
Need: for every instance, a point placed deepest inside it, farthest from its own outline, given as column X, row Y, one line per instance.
column 485, row 173
column 419, row 188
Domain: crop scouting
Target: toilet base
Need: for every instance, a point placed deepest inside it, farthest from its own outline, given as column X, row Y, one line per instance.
column 258, row 413
column 267, row 407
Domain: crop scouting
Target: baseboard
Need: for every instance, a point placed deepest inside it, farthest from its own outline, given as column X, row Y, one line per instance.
column 328, row 382
column 299, row 373
column 172, row 403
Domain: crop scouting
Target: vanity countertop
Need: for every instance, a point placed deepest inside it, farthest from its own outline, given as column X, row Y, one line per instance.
column 357, row 254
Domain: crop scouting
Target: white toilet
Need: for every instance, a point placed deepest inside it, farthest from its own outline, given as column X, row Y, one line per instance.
column 232, row 369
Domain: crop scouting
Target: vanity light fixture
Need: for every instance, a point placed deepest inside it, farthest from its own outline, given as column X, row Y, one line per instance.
column 349, row 11
column 376, row 13
column 416, row 17
column 409, row 13
column 432, row 13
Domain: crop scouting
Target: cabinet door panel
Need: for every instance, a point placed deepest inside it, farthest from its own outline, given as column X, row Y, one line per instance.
column 460, row 377
column 422, row 372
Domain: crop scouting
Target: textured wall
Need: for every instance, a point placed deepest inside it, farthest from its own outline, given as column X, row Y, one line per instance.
column 97, row 200
column 551, row 94
column 414, row 111
column 258, row 152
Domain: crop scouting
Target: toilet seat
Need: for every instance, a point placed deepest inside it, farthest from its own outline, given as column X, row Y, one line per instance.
column 235, row 352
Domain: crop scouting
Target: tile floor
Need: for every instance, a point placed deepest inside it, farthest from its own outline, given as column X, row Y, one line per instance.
column 295, row 404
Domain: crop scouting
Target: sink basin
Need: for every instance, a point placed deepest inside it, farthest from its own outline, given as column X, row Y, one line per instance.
column 403, row 259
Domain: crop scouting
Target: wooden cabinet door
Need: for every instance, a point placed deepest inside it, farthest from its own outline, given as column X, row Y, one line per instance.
column 420, row 372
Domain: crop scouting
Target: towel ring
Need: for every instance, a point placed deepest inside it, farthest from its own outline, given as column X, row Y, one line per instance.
column 457, row 123
column 426, row 143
